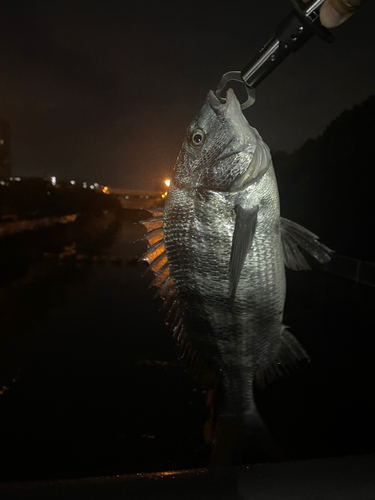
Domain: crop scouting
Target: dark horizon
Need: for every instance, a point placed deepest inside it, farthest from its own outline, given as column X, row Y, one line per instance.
column 106, row 93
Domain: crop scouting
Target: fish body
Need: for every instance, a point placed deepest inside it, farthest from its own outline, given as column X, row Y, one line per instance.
column 233, row 331
column 221, row 258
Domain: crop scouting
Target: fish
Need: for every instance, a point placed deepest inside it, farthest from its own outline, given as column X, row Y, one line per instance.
column 218, row 251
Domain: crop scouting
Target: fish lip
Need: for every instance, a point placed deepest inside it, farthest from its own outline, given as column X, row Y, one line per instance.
column 218, row 106
column 213, row 100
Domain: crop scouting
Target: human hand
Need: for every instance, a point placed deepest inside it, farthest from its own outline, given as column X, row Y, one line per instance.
column 335, row 12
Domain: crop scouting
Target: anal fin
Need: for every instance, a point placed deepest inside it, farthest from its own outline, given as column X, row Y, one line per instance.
column 286, row 357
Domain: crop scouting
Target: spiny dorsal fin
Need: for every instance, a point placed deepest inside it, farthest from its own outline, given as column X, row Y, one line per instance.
column 286, row 357
column 152, row 252
column 153, row 223
column 157, row 259
column 246, row 220
column 160, row 276
column 169, row 298
column 165, row 288
column 157, row 263
column 293, row 236
column 153, row 236
column 156, row 211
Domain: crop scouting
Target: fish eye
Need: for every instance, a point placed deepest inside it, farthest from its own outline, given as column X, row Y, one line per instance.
column 197, row 137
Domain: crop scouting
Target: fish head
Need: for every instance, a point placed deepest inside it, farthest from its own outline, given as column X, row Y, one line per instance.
column 221, row 150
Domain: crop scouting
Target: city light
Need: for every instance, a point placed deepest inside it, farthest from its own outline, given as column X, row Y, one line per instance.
column 96, row 185
column 167, row 182
column 72, row 183
column 92, row 186
column 84, row 184
column 105, row 190
column 53, row 180
column 17, row 179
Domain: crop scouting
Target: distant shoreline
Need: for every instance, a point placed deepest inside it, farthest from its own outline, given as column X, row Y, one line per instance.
column 14, row 227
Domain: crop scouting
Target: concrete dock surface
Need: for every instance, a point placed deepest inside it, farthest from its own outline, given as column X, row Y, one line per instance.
column 344, row 478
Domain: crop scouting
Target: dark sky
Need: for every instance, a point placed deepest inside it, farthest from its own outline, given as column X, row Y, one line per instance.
column 104, row 91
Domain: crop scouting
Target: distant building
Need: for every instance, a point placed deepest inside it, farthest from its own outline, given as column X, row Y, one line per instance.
column 5, row 170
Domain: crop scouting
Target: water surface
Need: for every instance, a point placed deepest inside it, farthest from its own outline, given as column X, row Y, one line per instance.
column 89, row 374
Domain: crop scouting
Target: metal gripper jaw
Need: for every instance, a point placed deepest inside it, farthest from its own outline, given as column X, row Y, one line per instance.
column 298, row 27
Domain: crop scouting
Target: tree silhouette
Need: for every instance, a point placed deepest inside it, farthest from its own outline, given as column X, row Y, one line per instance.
column 328, row 183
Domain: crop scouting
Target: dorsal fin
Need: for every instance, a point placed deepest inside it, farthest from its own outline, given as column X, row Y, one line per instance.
column 165, row 288
column 156, row 211
column 246, row 220
column 153, row 236
column 157, row 259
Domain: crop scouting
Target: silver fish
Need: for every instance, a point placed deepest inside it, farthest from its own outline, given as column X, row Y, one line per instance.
column 219, row 251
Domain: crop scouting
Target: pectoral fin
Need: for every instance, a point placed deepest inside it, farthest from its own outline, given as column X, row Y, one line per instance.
column 246, row 220
column 294, row 237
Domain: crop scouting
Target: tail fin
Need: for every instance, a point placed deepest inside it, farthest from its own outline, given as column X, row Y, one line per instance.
column 235, row 438
column 241, row 439
column 258, row 441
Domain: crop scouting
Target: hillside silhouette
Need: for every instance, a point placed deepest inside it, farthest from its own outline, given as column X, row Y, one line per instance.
column 328, row 184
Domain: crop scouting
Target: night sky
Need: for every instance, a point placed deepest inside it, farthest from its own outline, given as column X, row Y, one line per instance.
column 104, row 91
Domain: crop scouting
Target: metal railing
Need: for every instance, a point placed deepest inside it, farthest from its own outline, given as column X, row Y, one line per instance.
column 355, row 270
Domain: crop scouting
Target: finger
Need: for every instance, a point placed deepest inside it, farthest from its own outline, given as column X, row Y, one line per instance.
column 335, row 12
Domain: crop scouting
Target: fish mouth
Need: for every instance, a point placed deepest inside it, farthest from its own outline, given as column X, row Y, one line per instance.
column 221, row 106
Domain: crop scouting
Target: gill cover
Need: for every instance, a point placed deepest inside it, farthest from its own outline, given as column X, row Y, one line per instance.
column 245, row 140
